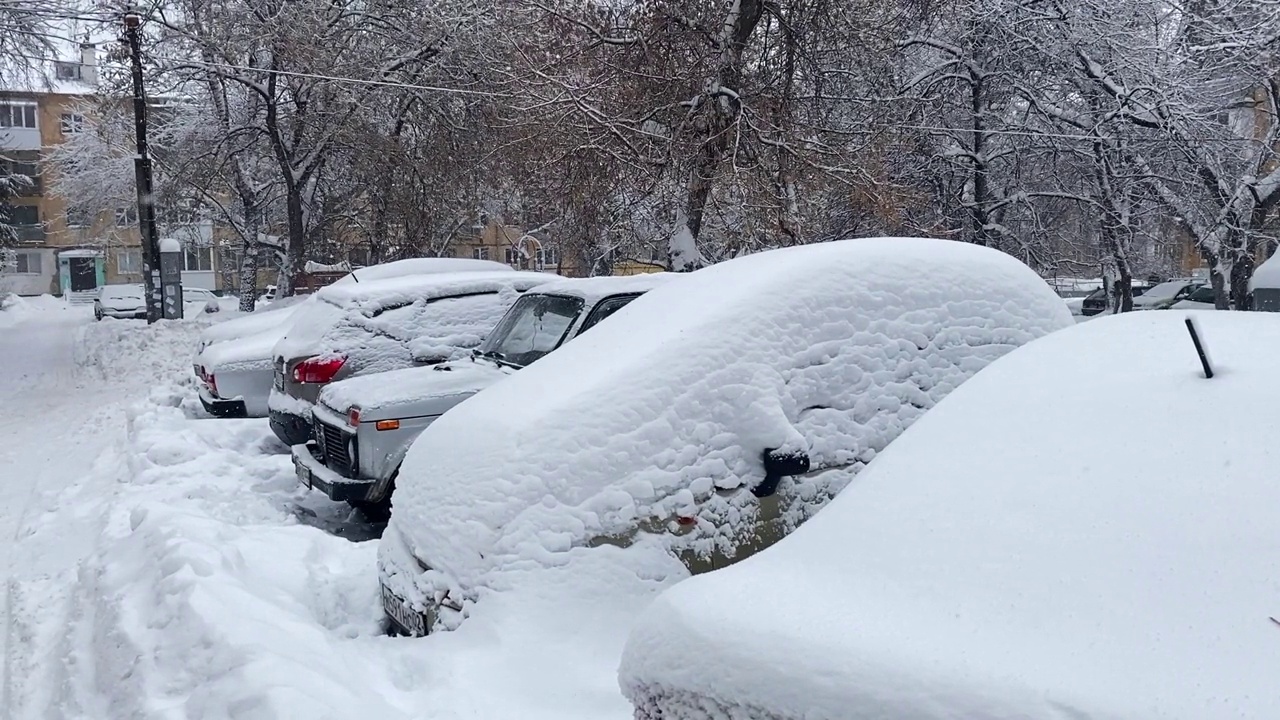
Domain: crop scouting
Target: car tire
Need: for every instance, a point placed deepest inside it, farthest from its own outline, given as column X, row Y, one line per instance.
column 97, row 314
column 377, row 511
column 373, row 511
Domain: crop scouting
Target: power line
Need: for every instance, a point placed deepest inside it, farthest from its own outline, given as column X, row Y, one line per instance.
column 356, row 81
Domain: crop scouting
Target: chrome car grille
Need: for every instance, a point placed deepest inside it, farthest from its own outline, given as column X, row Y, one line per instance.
column 332, row 443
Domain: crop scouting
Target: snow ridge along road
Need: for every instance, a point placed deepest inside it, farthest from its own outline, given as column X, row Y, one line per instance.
column 67, row 385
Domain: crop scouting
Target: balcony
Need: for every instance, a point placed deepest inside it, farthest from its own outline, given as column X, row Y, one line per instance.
column 19, row 138
column 29, row 234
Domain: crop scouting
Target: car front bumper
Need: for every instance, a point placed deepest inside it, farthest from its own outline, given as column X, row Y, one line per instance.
column 409, row 610
column 138, row 314
column 218, row 407
column 292, row 429
column 316, row 475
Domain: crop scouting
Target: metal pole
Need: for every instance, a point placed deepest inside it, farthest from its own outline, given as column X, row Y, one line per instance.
column 142, row 176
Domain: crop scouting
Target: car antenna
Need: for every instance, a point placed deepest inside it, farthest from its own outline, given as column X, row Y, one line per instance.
column 1193, row 328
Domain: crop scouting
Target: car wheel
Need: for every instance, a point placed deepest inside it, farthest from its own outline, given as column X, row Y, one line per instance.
column 97, row 314
column 377, row 511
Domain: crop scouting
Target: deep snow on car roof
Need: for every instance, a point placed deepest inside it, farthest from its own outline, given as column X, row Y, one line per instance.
column 419, row 266
column 374, row 295
column 1009, row 557
column 593, row 289
column 645, row 418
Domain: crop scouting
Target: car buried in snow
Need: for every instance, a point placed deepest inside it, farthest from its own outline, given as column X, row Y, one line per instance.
column 233, row 362
column 984, row 568
column 703, row 422
column 364, row 425
column 379, row 326
column 120, row 302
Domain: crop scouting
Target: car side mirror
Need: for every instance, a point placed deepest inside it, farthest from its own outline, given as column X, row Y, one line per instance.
column 778, row 464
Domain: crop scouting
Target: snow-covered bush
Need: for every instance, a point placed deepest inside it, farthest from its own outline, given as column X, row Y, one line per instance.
column 653, row 426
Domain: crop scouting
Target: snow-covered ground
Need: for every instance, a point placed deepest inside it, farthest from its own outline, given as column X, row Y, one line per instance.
column 163, row 564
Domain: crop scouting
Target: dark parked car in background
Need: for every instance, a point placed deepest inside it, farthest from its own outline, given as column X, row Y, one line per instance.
column 1096, row 302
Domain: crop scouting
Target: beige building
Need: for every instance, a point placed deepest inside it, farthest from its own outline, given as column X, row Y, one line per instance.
column 511, row 245
column 56, row 251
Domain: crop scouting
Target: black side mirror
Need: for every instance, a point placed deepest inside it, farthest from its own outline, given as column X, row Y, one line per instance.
column 777, row 465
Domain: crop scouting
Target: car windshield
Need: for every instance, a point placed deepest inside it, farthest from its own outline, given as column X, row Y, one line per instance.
column 1202, row 295
column 123, row 291
column 533, row 327
column 1165, row 290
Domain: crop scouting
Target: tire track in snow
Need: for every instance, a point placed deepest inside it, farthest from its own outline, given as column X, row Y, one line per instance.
column 57, row 424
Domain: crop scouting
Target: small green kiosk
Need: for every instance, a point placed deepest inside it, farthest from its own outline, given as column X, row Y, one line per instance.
column 80, row 273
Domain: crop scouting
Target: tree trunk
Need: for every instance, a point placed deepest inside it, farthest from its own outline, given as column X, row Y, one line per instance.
column 295, row 252
column 712, row 121
column 249, row 258
column 978, row 218
column 1241, row 273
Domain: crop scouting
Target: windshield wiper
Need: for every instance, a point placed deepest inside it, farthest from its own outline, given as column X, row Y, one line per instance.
column 497, row 357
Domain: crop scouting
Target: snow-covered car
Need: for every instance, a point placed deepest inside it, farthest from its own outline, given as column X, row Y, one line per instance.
column 235, row 377
column 379, row 416
column 1264, row 286
column 379, row 326
column 1096, row 301
column 705, row 419
column 120, row 301
column 1202, row 298
column 984, row 568
column 1166, row 294
column 207, row 301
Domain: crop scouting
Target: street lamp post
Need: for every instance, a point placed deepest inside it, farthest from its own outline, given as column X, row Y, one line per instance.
column 142, row 175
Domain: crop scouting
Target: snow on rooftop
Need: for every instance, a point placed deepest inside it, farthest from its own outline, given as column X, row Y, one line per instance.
column 668, row 407
column 1085, row 529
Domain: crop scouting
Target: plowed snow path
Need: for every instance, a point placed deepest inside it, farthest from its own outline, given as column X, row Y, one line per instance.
column 58, row 423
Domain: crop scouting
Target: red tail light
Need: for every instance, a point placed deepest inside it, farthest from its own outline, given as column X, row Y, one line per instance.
column 318, row 370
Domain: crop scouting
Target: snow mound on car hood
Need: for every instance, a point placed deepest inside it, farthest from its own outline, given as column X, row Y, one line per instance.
column 398, row 389
column 251, row 324
column 833, row 348
column 996, row 561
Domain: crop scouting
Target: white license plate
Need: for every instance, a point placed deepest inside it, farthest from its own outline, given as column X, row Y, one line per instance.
column 402, row 613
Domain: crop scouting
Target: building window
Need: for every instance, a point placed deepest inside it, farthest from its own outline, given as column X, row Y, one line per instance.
column 22, row 214
column 358, row 257
column 72, row 123
column 78, row 217
column 66, row 71
column 480, row 253
column 126, row 216
column 19, row 115
column 30, row 169
column 548, row 257
column 129, row 261
column 29, row 263
column 197, row 259
column 514, row 259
